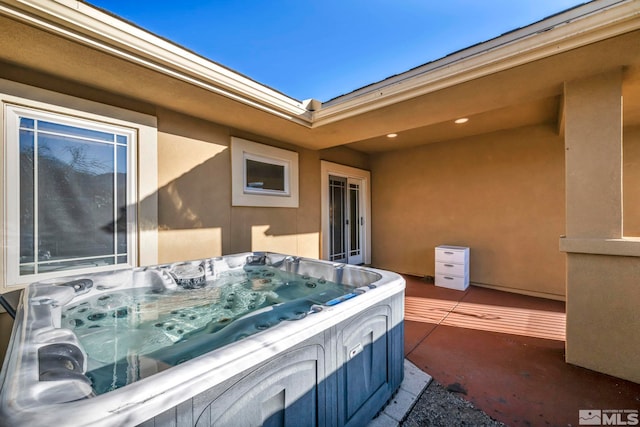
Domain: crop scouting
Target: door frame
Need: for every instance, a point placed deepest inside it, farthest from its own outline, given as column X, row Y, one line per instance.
column 335, row 169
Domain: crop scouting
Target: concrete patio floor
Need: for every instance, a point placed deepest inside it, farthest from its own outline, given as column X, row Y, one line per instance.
column 504, row 353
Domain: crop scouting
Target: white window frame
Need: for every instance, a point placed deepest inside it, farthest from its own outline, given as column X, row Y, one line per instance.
column 247, row 189
column 243, row 195
column 13, row 113
column 142, row 219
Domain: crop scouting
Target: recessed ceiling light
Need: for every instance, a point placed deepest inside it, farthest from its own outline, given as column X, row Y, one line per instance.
column 461, row 120
column 392, row 135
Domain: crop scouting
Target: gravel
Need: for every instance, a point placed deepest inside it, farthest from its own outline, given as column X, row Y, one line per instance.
column 438, row 407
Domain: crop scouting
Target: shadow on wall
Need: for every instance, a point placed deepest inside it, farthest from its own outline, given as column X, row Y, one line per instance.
column 199, row 198
column 196, row 219
column 195, row 216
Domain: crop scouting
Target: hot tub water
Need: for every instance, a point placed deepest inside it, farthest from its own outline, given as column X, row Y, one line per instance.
column 123, row 327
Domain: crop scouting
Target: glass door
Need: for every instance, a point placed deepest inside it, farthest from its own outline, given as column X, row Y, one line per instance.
column 355, row 222
column 345, row 220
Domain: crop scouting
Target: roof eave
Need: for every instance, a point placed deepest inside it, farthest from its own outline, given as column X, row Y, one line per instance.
column 85, row 24
column 92, row 27
column 574, row 28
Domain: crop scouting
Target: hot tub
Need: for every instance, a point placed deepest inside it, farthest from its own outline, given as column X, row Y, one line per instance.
column 241, row 340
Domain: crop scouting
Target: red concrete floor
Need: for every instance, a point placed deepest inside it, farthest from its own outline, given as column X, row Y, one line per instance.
column 505, row 353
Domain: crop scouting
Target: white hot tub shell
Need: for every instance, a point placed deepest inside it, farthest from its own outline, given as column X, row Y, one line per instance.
column 306, row 362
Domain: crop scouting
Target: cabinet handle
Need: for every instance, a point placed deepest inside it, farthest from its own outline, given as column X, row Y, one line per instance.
column 449, row 265
column 448, row 278
column 449, row 253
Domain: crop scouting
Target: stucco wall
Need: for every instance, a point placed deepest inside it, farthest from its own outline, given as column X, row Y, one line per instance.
column 195, row 216
column 501, row 194
column 602, row 267
column 602, row 314
column 631, row 182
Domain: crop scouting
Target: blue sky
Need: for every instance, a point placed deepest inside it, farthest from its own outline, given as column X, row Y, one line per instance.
column 325, row 48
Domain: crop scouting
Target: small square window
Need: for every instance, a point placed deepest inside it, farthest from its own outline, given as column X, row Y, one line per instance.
column 263, row 175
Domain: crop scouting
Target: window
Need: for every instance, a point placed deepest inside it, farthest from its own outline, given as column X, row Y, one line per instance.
column 263, row 175
column 70, row 194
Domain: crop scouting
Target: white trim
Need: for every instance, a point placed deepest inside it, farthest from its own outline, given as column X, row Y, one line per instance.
column 148, row 193
column 143, row 244
column 242, row 195
column 335, row 169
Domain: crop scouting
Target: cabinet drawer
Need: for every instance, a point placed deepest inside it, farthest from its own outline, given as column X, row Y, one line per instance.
column 447, row 254
column 450, row 269
column 452, row 282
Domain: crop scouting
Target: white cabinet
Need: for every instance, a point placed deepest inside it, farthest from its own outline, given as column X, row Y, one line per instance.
column 452, row 267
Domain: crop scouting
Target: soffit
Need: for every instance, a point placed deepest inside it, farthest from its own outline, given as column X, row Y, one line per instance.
column 510, row 98
column 531, row 113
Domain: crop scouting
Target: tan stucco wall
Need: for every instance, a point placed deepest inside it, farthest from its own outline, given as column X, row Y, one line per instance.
column 631, row 182
column 593, row 110
column 195, row 215
column 193, row 194
column 501, row 194
column 603, row 319
column 603, row 269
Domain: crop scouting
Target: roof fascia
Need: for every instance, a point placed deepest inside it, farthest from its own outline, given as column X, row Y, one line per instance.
column 82, row 23
column 574, row 28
